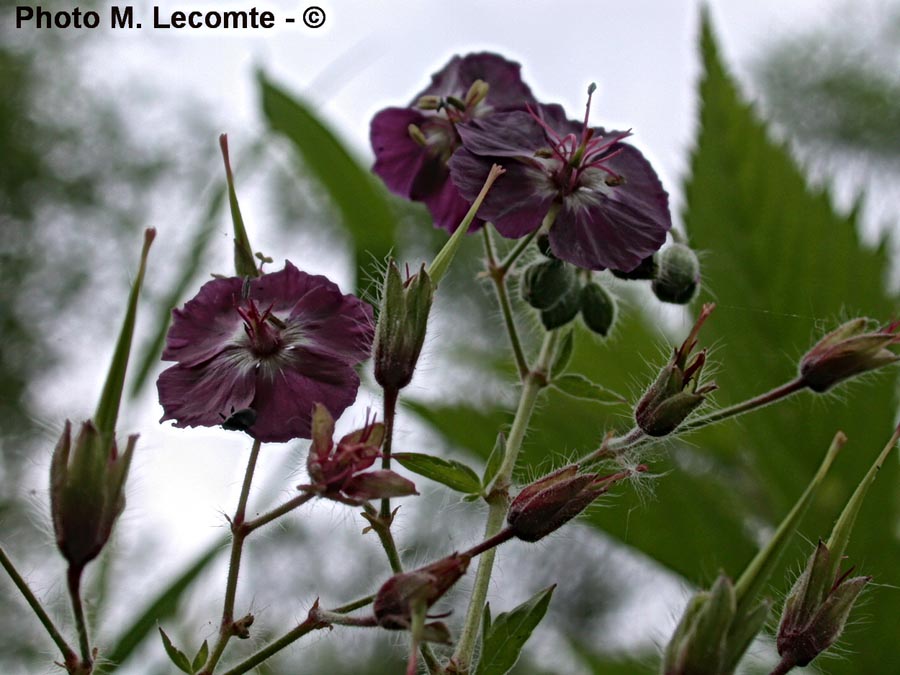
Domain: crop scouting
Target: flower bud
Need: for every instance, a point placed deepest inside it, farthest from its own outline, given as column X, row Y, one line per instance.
column 552, row 501
column 401, row 328
column 86, row 491
column 543, row 244
column 846, row 352
column 394, row 603
column 676, row 393
column 816, row 609
column 712, row 636
column 545, row 283
column 565, row 310
column 646, row 269
column 598, row 308
column 678, row 275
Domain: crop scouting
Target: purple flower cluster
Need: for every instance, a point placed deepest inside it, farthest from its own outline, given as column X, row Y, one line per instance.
column 606, row 205
column 264, row 350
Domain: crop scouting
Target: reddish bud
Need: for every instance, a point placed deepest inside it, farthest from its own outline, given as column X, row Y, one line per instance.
column 395, row 600
column 552, row 501
column 848, row 351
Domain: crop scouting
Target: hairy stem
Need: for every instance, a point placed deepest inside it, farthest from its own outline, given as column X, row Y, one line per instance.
column 73, row 577
column 266, row 518
column 68, row 653
column 238, row 534
column 516, row 252
column 498, row 501
column 497, row 273
column 784, row 666
column 267, row 652
column 390, row 412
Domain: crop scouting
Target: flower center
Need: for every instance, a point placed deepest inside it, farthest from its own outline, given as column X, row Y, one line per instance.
column 438, row 134
column 263, row 329
column 574, row 155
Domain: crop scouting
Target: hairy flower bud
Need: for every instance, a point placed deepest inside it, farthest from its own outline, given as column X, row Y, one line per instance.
column 552, row 501
column 816, row 609
column 648, row 268
column 678, row 276
column 711, row 636
column 565, row 310
column 547, row 282
column 676, row 393
column 401, row 328
column 396, row 599
column 848, row 351
column 598, row 308
column 86, row 491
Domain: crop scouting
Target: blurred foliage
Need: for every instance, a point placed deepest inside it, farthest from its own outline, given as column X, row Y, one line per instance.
column 839, row 89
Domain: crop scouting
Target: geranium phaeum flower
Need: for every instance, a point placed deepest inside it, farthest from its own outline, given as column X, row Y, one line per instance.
column 275, row 345
column 412, row 145
column 612, row 209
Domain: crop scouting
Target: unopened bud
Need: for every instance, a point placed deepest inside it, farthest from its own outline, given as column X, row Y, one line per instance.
column 678, row 276
column 564, row 310
column 850, row 350
column 677, row 392
column 552, row 501
column 546, row 282
column 86, row 491
column 395, row 601
column 543, row 244
column 401, row 328
column 598, row 308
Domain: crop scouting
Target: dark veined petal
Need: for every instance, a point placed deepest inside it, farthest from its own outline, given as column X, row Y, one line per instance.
column 504, row 78
column 448, row 207
column 503, row 134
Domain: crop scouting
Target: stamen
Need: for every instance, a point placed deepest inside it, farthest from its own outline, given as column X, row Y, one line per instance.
column 592, row 87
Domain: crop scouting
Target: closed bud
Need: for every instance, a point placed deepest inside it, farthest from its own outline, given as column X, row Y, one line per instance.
column 546, row 282
column 565, row 310
column 543, row 244
column 646, row 269
column 401, row 328
column 396, row 599
column 816, row 609
column 87, row 483
column 677, row 392
column 678, row 275
column 850, row 350
column 598, row 308
column 552, row 501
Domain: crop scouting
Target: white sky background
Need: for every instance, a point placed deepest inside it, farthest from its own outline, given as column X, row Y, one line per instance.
column 370, row 54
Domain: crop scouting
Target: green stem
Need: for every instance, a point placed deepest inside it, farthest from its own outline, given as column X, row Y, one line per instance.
column 390, row 412
column 516, row 251
column 498, row 501
column 68, row 653
column 273, row 648
column 382, row 528
column 498, row 277
column 636, row 437
column 266, row 518
column 73, row 577
column 238, row 534
column 356, row 604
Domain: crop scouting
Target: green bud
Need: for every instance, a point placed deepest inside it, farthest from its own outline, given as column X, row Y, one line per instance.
column 545, row 283
column 598, row 308
column 543, row 244
column 678, row 276
column 563, row 311
column 401, row 328
column 86, row 491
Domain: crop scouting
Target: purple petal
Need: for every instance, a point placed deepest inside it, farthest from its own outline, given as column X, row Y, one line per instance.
column 448, row 208
column 505, row 134
column 519, row 199
column 206, row 325
column 504, row 78
column 378, row 485
column 398, row 158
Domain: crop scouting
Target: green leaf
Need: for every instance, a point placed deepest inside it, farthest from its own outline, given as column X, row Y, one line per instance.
column 578, row 386
column 494, row 460
column 359, row 199
column 175, row 655
column 455, row 475
column 563, row 355
column 509, row 632
column 201, row 656
column 165, row 604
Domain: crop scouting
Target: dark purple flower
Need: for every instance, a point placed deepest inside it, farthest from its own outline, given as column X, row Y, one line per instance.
column 412, row 145
column 612, row 209
column 276, row 345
